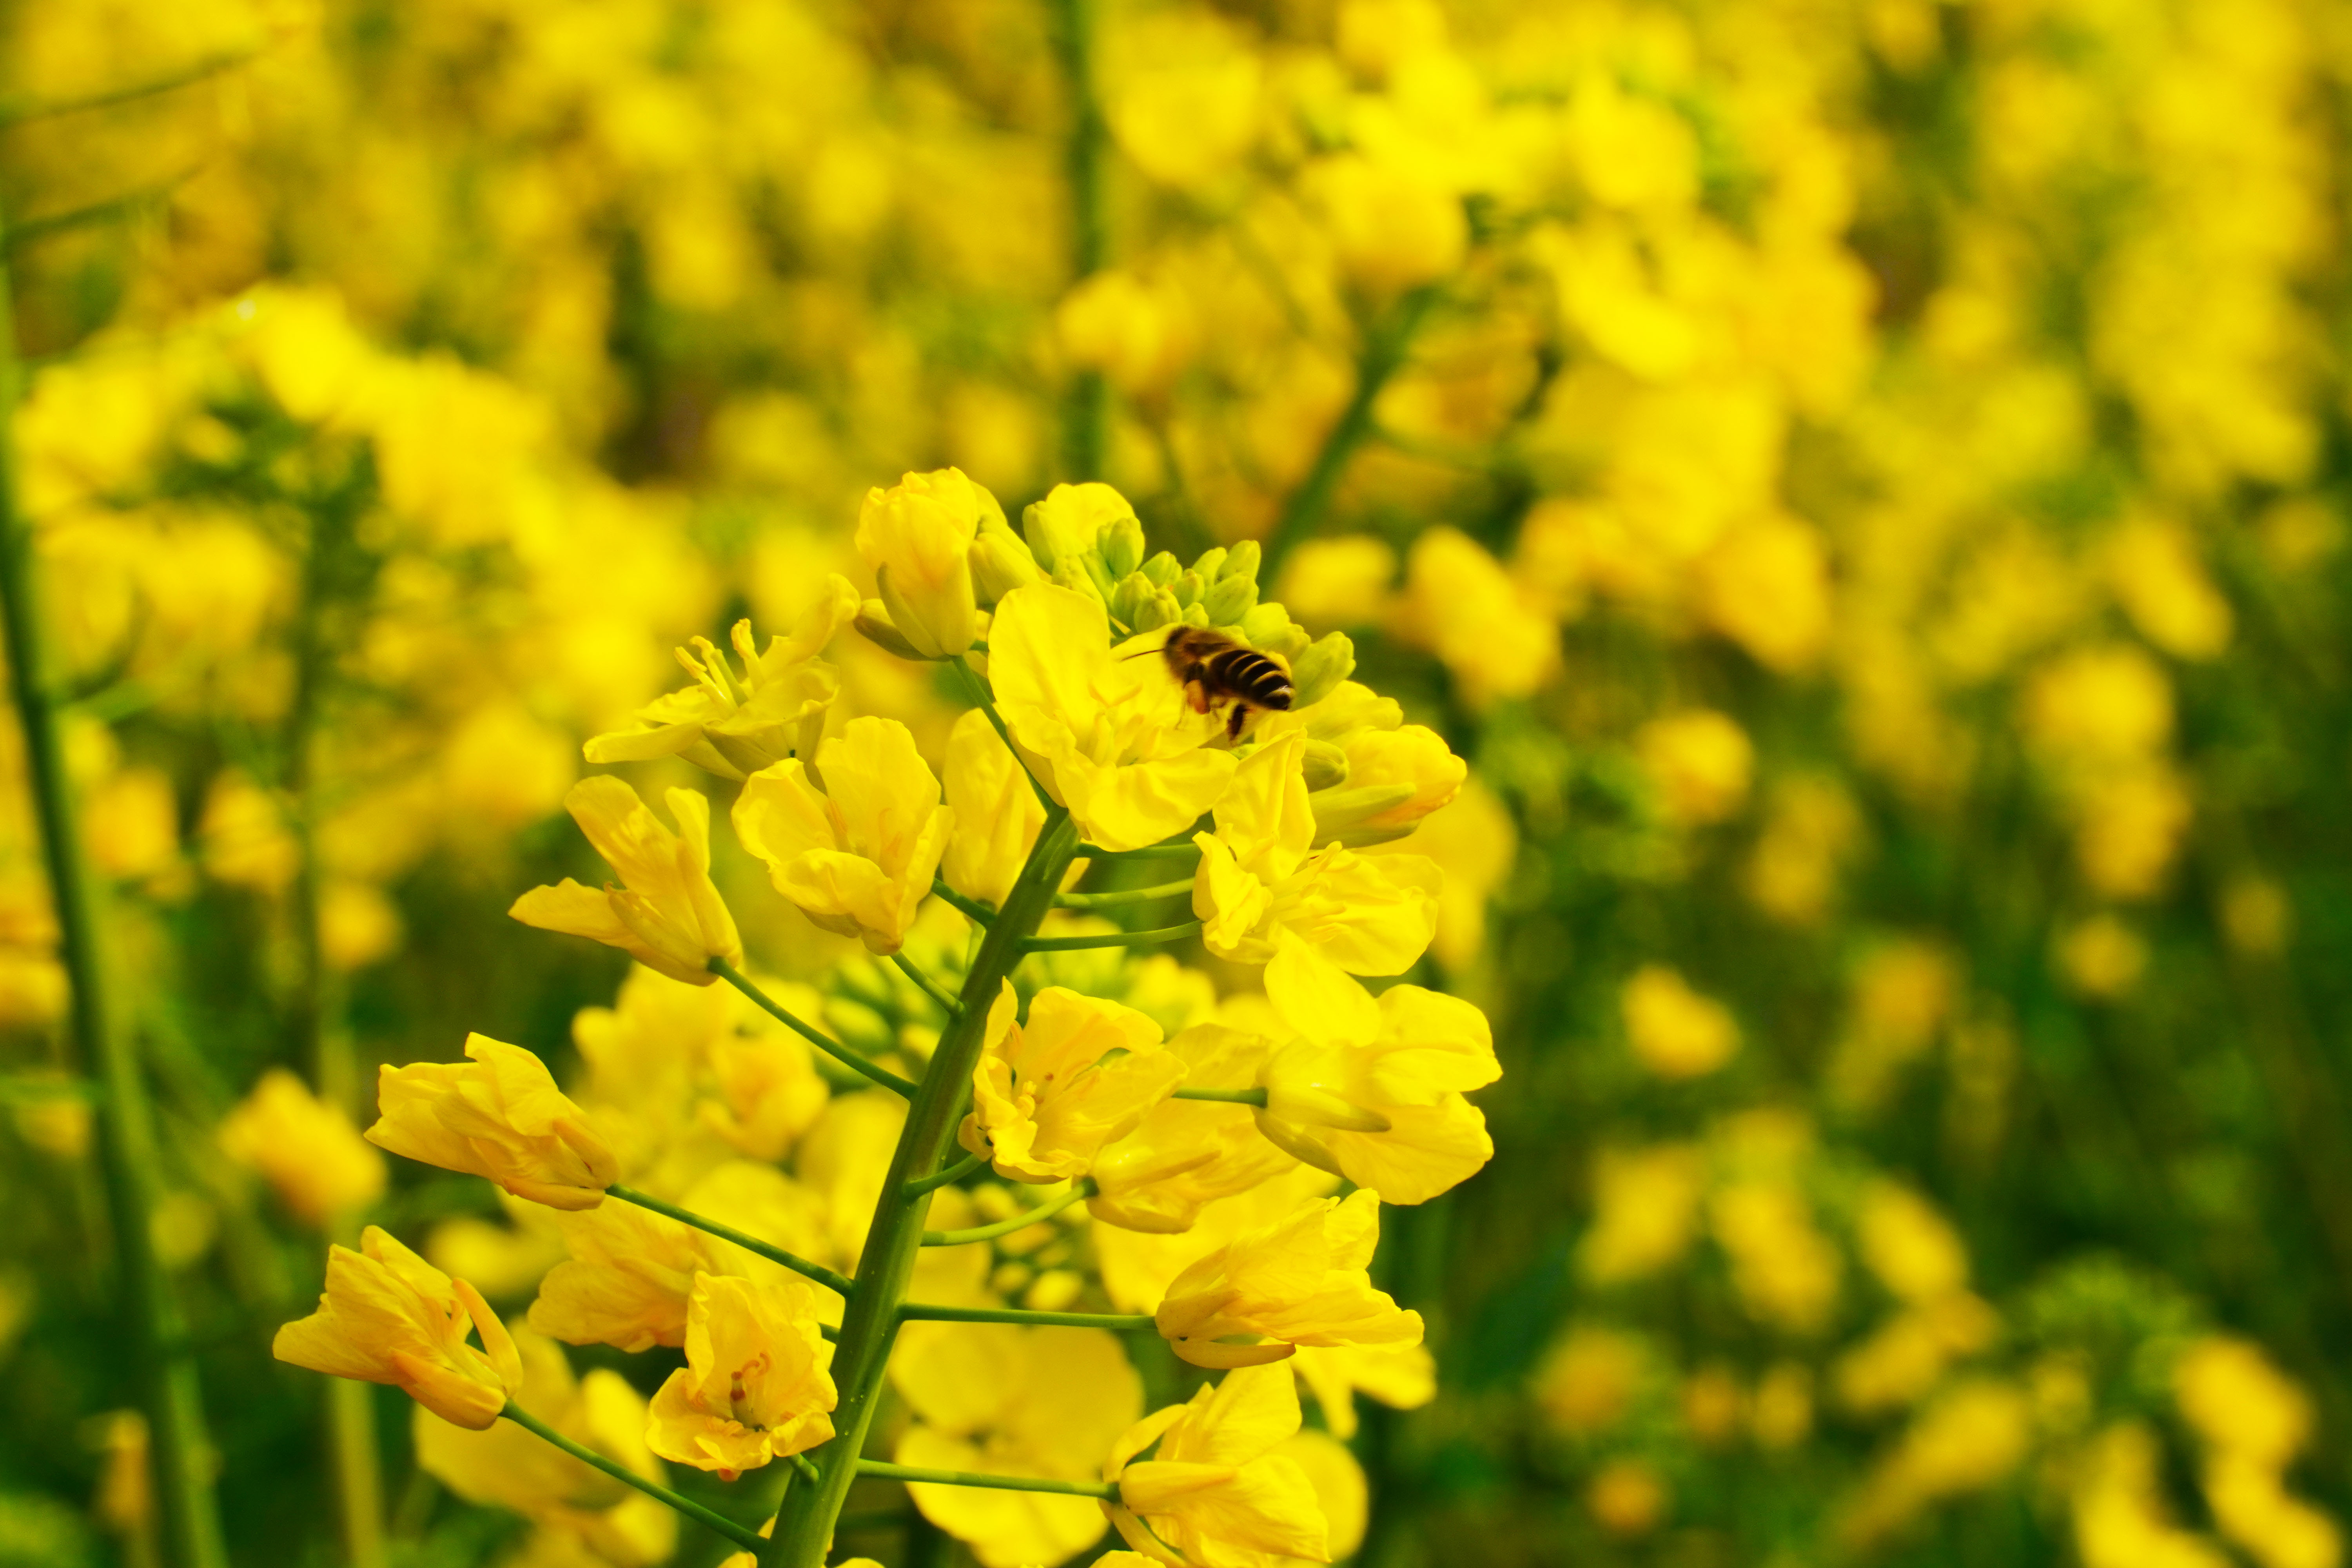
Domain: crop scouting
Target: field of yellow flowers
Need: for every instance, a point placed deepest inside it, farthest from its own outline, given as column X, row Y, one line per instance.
column 979, row 784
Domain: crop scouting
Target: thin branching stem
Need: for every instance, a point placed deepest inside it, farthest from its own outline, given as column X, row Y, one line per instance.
column 1226, row 1096
column 21, row 110
column 1124, row 896
column 877, row 1471
column 1079, row 1192
column 929, row 987
column 772, row 1253
column 1111, row 938
column 985, row 700
column 955, row 1172
column 971, row 910
column 918, row 1312
column 717, row 1524
column 831, row 1047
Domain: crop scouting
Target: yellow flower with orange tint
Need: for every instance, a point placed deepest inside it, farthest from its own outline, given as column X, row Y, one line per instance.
column 1260, row 876
column 307, row 1150
column 1300, row 1281
column 858, row 856
column 756, row 1384
column 735, row 724
column 502, row 1118
column 1110, row 735
column 1373, row 1090
column 667, row 915
column 1049, row 1093
column 1216, row 1491
column 388, row 1316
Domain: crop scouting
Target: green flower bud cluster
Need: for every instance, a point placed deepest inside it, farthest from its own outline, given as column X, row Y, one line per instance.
column 1140, row 594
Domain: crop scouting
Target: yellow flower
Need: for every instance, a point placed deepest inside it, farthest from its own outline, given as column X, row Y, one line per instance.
column 1700, row 761
column 1391, row 221
column 1216, row 1492
column 667, row 915
column 1627, row 1498
column 1301, row 1281
column 1186, row 1154
column 858, row 858
column 1675, row 1032
column 1462, row 606
column 755, row 1385
column 307, row 1150
column 1401, row 1376
column 1013, row 1401
column 1048, row 1094
column 917, row 537
column 2236, row 1400
column 1112, row 735
column 1411, row 757
column 502, row 1118
column 511, row 1467
column 1645, row 1211
column 1372, row 1091
column 733, row 725
column 1260, row 876
column 388, row 1316
column 997, row 815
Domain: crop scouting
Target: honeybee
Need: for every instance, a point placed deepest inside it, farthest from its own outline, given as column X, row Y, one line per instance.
column 1214, row 669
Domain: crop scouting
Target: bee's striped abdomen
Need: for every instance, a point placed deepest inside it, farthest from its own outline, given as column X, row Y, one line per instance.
column 1251, row 676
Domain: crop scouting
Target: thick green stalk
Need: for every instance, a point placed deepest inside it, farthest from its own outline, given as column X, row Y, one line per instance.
column 1384, row 350
column 1086, row 427
column 804, row 1527
column 183, row 1452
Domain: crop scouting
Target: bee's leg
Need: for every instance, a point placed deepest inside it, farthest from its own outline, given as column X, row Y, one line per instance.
column 1240, row 717
column 1197, row 694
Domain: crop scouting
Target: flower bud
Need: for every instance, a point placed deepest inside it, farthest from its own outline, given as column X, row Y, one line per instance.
column 1161, row 610
column 1079, row 574
column 1263, row 623
column 1242, row 560
column 1188, row 590
column 1001, row 562
column 1163, row 569
column 1229, row 598
column 1211, row 564
column 501, row 1117
column 1347, row 816
column 1317, row 672
column 917, row 537
column 1069, row 520
column 1326, row 766
column 1121, row 544
column 1130, row 599
column 874, row 624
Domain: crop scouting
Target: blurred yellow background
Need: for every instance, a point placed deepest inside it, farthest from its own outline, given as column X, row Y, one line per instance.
column 1862, row 480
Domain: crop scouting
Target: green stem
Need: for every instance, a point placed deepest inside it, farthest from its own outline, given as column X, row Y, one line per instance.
column 928, row 986
column 1079, row 1192
column 834, row 1048
column 916, row 1313
column 25, row 109
column 715, row 1523
column 804, row 1525
column 971, row 910
column 1124, row 896
column 773, row 1254
column 955, row 1172
column 1111, row 938
column 881, row 1472
column 985, row 700
column 183, row 1453
column 1085, row 437
column 1225, row 1096
column 1148, row 852
column 1384, row 351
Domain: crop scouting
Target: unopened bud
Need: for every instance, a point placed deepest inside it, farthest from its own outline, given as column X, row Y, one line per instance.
column 1188, row 588
column 1131, row 598
column 1241, row 561
column 858, row 1027
column 1163, row 569
column 1341, row 815
column 1073, row 572
column 874, row 624
column 1000, row 564
column 1230, row 598
column 1211, row 563
column 1328, row 661
column 1262, row 625
column 1326, row 766
column 1121, row 545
